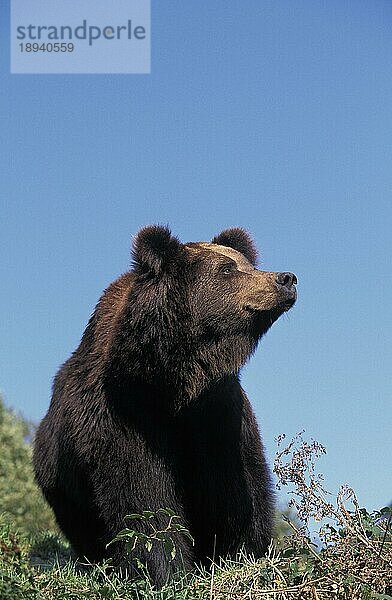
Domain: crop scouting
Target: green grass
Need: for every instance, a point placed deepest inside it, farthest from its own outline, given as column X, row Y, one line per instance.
column 44, row 569
column 352, row 561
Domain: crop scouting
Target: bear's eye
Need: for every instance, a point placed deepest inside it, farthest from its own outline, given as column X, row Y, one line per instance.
column 227, row 269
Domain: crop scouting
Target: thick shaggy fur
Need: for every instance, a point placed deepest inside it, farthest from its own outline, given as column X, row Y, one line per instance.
column 149, row 413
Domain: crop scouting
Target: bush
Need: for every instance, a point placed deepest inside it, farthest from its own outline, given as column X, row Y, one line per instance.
column 20, row 498
column 350, row 554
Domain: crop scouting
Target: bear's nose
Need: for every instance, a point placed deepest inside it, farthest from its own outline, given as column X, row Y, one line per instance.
column 286, row 279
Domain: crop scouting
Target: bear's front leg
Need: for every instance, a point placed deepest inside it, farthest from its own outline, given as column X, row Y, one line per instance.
column 258, row 532
column 133, row 487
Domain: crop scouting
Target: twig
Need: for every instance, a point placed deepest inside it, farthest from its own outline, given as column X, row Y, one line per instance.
column 304, row 539
column 213, row 571
column 385, row 534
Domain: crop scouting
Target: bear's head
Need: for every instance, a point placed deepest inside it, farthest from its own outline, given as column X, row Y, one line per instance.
column 195, row 311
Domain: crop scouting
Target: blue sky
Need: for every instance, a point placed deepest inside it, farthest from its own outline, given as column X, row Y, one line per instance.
column 271, row 115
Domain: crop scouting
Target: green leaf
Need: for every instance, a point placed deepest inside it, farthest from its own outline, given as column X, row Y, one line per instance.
column 386, row 510
column 148, row 545
column 167, row 511
column 294, row 569
column 148, row 514
column 161, row 535
column 139, row 563
column 170, row 549
column 125, row 534
column 186, row 533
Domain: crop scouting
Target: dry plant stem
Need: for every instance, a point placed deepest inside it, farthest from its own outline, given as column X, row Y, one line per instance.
column 107, row 579
column 347, row 524
column 385, row 533
column 356, row 552
column 358, row 513
column 296, row 530
column 278, row 571
column 213, row 570
column 294, row 588
column 366, row 542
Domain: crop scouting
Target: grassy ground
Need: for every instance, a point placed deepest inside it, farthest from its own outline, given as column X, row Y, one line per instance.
column 351, row 561
column 44, row 569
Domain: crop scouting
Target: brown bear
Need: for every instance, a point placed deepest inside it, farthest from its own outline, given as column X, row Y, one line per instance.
column 149, row 413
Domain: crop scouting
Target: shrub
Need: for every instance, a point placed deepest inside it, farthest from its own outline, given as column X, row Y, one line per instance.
column 20, row 498
column 350, row 554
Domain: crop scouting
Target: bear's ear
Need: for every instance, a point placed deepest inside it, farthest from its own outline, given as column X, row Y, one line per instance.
column 154, row 248
column 239, row 240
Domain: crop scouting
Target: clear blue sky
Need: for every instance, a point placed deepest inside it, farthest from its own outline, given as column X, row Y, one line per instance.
column 271, row 115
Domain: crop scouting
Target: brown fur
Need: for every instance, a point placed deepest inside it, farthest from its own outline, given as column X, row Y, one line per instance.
column 149, row 413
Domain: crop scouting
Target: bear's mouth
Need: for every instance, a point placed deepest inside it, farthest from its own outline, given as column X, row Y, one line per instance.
column 284, row 302
column 289, row 300
column 286, row 298
column 263, row 318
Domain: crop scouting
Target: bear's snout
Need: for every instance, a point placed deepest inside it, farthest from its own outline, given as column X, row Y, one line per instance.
column 287, row 280
column 285, row 283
